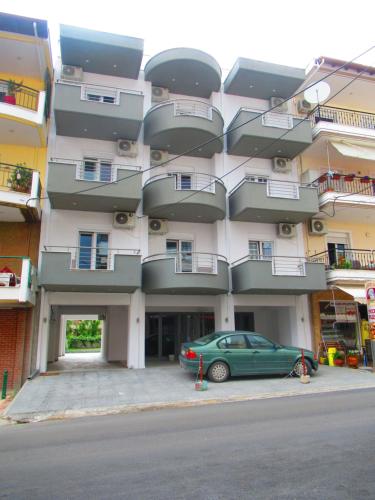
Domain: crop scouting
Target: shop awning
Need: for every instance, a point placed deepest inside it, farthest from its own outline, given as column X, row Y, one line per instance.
column 354, row 149
column 357, row 292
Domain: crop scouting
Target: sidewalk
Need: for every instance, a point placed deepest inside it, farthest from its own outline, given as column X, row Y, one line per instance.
column 74, row 394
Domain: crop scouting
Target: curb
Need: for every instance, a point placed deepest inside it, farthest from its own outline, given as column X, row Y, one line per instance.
column 136, row 408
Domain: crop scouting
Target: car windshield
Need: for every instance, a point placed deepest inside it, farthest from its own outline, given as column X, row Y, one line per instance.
column 207, row 338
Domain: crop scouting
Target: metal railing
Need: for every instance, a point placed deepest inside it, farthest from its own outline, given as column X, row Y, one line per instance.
column 281, row 265
column 92, row 258
column 278, row 120
column 15, row 271
column 190, row 262
column 25, row 97
column 188, row 107
column 343, row 116
column 274, row 187
column 16, row 178
column 345, row 183
column 185, row 107
column 106, row 88
column 350, row 258
column 185, row 181
column 95, row 169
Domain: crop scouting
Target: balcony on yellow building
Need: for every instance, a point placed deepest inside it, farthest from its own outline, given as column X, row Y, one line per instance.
column 20, row 190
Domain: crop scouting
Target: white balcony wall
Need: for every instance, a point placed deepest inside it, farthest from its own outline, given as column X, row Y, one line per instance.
column 64, row 227
column 203, row 236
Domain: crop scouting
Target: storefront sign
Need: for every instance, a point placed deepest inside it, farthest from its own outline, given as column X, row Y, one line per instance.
column 370, row 296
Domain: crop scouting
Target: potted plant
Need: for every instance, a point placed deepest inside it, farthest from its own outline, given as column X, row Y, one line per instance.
column 13, row 88
column 353, row 358
column 21, row 178
column 322, row 179
column 339, row 358
column 336, row 177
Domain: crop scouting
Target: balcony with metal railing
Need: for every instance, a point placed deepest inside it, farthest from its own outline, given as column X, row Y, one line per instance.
column 345, row 189
column 20, row 191
column 185, row 273
column 269, row 135
column 17, row 281
column 185, row 197
column 284, row 275
column 90, row 269
column 93, row 184
column 23, row 111
column 340, row 120
column 97, row 112
column 349, row 265
column 183, row 124
column 260, row 199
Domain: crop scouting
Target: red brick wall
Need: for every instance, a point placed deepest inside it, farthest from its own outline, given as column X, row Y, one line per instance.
column 15, row 329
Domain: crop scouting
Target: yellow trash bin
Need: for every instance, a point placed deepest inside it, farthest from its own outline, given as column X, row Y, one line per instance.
column 331, row 353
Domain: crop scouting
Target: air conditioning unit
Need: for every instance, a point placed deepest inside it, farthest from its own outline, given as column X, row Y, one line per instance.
column 157, row 226
column 317, row 227
column 127, row 148
column 157, row 156
column 304, row 106
column 286, row 230
column 159, row 94
column 124, row 220
column 283, row 165
column 282, row 107
column 74, row 73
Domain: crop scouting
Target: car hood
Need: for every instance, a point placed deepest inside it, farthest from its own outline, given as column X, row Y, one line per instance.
column 296, row 349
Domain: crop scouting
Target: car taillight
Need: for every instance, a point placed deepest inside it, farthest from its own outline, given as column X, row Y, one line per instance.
column 315, row 357
column 191, row 354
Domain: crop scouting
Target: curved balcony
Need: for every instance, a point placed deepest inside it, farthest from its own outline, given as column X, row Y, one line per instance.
column 180, row 125
column 184, row 71
column 185, row 274
column 185, row 197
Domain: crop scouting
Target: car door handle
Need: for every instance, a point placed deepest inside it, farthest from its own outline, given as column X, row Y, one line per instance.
column 256, row 352
column 227, row 352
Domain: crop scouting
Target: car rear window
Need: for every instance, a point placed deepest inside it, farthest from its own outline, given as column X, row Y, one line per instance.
column 207, row 338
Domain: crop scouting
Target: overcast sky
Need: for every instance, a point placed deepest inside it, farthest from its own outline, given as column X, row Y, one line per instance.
column 287, row 32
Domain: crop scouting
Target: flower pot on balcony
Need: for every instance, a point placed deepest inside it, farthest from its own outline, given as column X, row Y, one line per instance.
column 349, row 178
column 336, row 177
column 365, row 180
column 322, row 179
column 9, row 99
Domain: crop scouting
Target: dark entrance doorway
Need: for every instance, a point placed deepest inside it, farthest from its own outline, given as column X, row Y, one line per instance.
column 165, row 332
column 244, row 321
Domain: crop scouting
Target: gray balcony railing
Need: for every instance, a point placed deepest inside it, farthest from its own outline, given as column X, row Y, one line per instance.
column 92, row 258
column 347, row 117
column 350, row 258
column 191, row 262
column 345, row 183
column 281, row 265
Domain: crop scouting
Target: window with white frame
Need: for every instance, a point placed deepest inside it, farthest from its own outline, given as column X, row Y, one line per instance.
column 93, row 251
column 260, row 250
column 257, row 178
column 96, row 169
column 100, row 94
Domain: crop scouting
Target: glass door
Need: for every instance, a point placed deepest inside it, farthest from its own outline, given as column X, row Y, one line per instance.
column 184, row 250
column 93, row 251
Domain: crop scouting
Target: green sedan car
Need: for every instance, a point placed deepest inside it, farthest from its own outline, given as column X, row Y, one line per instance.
column 237, row 353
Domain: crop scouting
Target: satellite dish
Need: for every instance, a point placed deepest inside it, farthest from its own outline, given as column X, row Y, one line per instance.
column 317, row 93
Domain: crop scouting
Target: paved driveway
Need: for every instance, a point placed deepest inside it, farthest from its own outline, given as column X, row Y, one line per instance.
column 107, row 391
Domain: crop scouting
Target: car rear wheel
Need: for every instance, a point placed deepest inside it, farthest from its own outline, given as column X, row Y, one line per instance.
column 298, row 368
column 218, row 372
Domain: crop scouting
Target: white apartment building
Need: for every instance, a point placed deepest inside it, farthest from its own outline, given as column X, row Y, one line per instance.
column 174, row 204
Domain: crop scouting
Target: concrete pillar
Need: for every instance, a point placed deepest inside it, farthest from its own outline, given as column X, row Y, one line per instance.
column 136, row 331
column 44, row 320
column 224, row 312
column 304, row 331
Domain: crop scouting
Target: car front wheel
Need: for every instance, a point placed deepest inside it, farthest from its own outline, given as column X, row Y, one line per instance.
column 298, row 368
column 218, row 372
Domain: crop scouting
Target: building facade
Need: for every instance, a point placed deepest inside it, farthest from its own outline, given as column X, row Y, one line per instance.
column 340, row 163
column 25, row 85
column 174, row 205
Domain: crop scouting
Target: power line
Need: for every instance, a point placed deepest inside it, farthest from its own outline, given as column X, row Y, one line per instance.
column 228, row 130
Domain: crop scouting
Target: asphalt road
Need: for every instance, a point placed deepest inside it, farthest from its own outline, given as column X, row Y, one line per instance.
column 307, row 447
